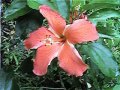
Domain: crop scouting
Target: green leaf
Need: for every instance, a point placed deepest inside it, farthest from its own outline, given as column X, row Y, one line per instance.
column 60, row 5
column 106, row 1
column 105, row 36
column 78, row 3
column 102, row 15
column 102, row 57
column 16, row 9
column 34, row 4
column 28, row 23
column 116, row 87
column 109, row 28
column 98, row 6
column 101, row 4
column 108, row 88
column 7, row 82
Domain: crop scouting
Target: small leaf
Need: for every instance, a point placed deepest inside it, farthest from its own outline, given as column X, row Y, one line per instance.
column 16, row 9
column 102, row 15
column 102, row 57
column 16, row 59
column 34, row 4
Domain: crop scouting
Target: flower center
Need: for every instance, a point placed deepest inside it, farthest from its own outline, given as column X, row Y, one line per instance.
column 48, row 40
column 63, row 38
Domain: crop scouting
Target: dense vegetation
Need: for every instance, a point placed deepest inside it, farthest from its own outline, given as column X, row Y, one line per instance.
column 20, row 17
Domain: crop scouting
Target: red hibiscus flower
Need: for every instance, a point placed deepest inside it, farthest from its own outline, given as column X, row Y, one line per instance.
column 58, row 40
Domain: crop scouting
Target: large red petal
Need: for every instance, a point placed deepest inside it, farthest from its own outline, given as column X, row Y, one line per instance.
column 35, row 38
column 44, row 56
column 70, row 60
column 81, row 31
column 55, row 20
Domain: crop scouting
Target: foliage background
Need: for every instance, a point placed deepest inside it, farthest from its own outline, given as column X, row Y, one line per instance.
column 20, row 17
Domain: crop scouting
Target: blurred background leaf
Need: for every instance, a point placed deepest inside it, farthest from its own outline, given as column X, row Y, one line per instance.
column 34, row 4
column 7, row 82
column 16, row 9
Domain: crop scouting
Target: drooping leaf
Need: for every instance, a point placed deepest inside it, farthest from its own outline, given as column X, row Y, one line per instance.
column 102, row 15
column 7, row 82
column 61, row 4
column 16, row 9
column 102, row 57
column 26, row 24
column 34, row 4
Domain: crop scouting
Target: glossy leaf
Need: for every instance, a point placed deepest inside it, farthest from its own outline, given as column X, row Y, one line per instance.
column 7, row 82
column 102, row 15
column 16, row 9
column 102, row 57
column 34, row 4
